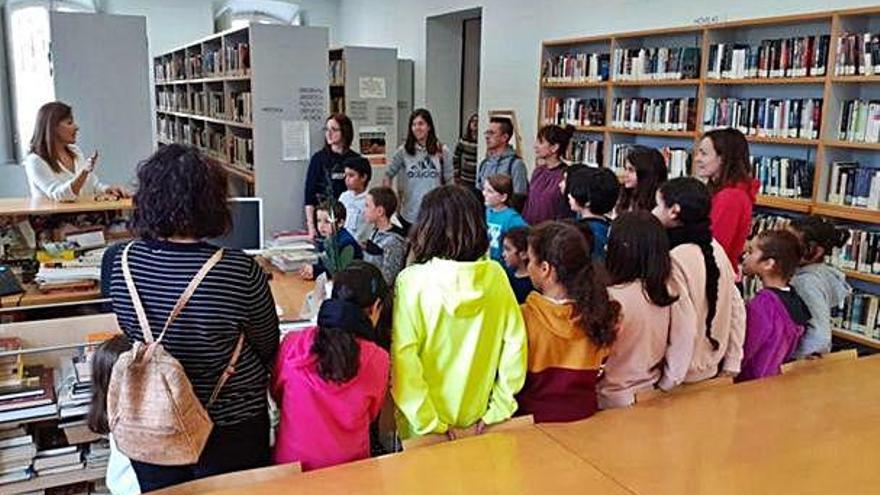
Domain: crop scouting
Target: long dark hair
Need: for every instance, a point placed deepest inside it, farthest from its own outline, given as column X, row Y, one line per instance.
column 566, row 250
column 451, row 225
column 732, row 147
column 650, row 173
column 43, row 142
column 819, row 236
column 345, row 127
column 432, row 144
column 638, row 249
column 102, row 368
column 695, row 204
column 560, row 136
column 342, row 320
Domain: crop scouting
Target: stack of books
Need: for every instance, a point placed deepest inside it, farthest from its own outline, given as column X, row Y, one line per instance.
column 790, row 57
column 98, row 454
column 765, row 117
column 850, row 184
column 644, row 64
column 28, row 398
column 58, row 460
column 288, row 252
column 75, row 393
column 783, row 176
column 577, row 67
column 858, row 54
column 17, row 450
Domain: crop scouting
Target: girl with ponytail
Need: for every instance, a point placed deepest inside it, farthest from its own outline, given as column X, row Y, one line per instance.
column 701, row 267
column 330, row 381
column 570, row 326
column 820, row 285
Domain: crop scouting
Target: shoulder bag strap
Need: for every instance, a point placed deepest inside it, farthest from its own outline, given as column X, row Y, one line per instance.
column 229, row 371
column 135, row 297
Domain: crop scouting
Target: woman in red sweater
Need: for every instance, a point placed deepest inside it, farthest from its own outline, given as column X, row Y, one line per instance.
column 722, row 160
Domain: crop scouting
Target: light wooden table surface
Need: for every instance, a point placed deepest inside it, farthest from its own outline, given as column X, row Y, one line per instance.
column 42, row 206
column 810, row 432
column 289, row 291
column 515, row 462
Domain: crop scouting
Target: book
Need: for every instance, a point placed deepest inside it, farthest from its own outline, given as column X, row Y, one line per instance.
column 16, row 455
column 61, row 469
column 35, row 380
column 658, row 114
column 34, row 407
column 573, row 111
column 765, row 117
column 16, row 441
column 43, row 462
column 15, row 477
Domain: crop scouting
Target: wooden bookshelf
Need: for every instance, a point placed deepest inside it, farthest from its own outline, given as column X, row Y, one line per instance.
column 575, row 84
column 38, row 483
column 764, row 81
column 852, row 145
column 782, row 140
column 657, row 82
column 856, row 338
column 651, row 132
column 789, row 204
column 855, row 79
column 282, row 72
column 865, row 277
column 847, row 213
column 591, row 128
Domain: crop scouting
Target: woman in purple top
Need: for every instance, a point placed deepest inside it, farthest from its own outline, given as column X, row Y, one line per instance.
column 545, row 201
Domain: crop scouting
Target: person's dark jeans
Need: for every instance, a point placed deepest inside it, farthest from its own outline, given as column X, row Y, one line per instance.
column 230, row 448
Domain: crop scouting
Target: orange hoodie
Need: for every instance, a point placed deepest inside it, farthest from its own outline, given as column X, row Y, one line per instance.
column 563, row 365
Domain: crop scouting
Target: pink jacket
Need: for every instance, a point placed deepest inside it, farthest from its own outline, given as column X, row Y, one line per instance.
column 324, row 423
column 729, row 324
column 653, row 345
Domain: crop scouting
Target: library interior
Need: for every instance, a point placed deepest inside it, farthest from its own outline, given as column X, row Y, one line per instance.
column 349, row 246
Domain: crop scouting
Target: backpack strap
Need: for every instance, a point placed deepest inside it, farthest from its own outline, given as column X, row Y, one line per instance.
column 229, row 371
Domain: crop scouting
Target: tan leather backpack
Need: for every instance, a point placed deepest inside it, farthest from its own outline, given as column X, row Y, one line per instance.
column 153, row 412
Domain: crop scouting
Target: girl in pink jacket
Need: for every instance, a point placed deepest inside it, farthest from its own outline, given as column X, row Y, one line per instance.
column 330, row 381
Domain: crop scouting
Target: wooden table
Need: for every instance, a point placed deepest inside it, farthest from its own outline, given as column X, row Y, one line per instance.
column 43, row 206
column 524, row 461
column 289, row 291
column 811, row 431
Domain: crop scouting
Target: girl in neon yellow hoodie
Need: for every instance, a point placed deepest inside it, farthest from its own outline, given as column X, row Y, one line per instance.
column 458, row 342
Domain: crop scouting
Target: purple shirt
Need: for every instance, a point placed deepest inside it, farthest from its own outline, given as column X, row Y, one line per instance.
column 771, row 336
column 545, row 202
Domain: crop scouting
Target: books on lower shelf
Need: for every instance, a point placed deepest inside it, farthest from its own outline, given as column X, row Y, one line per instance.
column 678, row 160
column 241, row 151
column 783, row 176
column 850, row 184
column 573, row 111
column 17, row 451
column 645, row 64
column 861, row 253
column 18, row 408
column 586, row 151
column 657, row 114
column 337, row 72
column 788, row 57
column 858, row 54
column 576, row 67
column 860, row 313
column 765, row 117
column 859, row 121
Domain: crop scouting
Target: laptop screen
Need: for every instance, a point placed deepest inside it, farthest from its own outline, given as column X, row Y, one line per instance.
column 246, row 232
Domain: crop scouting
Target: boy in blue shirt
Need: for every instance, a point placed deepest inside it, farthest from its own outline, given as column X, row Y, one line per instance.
column 500, row 217
column 592, row 194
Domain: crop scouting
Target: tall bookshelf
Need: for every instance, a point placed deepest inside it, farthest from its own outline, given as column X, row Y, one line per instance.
column 822, row 148
column 363, row 85
column 254, row 100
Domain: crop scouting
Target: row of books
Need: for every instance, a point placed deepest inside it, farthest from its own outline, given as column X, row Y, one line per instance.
column 585, row 151
column 241, row 151
column 577, row 67
column 859, row 314
column 857, row 54
column 860, row 121
column 783, row 176
column 211, row 104
column 574, row 111
column 787, row 57
column 659, row 114
column 766, row 117
column 214, row 143
column 337, row 72
column 241, row 107
column 851, row 184
column 228, row 60
column 678, row 160
column 640, row 64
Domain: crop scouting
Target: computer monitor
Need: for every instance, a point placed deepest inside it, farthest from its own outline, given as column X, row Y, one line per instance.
column 246, row 232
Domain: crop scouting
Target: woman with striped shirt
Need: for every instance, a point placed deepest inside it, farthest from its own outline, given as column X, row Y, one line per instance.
column 181, row 200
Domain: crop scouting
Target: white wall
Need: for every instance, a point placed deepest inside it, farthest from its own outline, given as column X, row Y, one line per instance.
column 512, row 32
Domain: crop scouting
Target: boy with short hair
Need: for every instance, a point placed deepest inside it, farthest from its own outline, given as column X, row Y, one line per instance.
column 325, row 227
column 386, row 247
column 776, row 316
column 592, row 194
column 357, row 177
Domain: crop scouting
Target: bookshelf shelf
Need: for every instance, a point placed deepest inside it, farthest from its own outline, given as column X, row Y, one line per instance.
column 852, row 145
column 789, row 204
column 782, row 140
column 574, row 84
column 658, row 82
column 244, row 174
column 847, row 213
column 856, row 338
column 865, row 277
column 855, row 79
column 44, row 482
column 232, row 123
column 762, row 81
column 201, row 80
column 591, row 128
column 648, row 132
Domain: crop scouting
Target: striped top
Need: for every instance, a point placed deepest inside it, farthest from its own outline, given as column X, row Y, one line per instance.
column 464, row 161
column 234, row 296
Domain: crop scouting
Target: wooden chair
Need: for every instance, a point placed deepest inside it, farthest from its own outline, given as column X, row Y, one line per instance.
column 238, row 479
column 721, row 381
column 803, row 364
column 433, row 439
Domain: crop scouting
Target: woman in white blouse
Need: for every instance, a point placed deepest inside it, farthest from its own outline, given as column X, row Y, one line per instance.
column 56, row 168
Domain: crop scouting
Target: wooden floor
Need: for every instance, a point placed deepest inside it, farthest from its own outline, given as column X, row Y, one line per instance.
column 815, row 431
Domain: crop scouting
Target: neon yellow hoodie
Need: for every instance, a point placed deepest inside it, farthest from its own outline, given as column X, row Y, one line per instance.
column 458, row 346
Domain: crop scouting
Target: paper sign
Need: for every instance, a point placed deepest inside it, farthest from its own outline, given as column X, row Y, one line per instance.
column 371, row 87
column 357, row 110
column 311, row 104
column 385, row 116
column 294, row 140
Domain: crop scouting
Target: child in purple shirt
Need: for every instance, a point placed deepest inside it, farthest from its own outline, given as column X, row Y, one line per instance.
column 776, row 316
column 545, row 201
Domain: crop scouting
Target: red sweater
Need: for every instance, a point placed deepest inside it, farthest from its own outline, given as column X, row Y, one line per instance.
column 732, row 218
